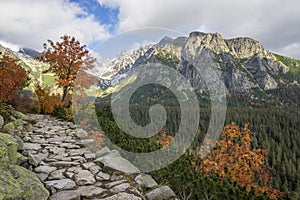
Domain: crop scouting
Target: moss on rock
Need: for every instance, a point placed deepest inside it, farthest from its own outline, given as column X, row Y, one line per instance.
column 10, row 188
column 30, row 184
column 8, row 150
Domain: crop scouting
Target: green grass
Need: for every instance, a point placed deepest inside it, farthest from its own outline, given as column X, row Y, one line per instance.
column 292, row 64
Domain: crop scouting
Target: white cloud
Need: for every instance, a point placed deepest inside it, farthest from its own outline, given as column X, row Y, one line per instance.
column 30, row 23
column 9, row 45
column 274, row 23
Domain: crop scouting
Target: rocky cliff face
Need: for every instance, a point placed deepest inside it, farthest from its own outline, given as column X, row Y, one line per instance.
column 244, row 65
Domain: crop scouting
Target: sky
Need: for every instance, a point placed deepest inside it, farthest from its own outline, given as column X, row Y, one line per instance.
column 275, row 23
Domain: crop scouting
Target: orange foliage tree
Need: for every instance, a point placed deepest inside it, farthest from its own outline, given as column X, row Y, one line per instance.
column 165, row 139
column 67, row 59
column 234, row 159
column 12, row 78
column 47, row 101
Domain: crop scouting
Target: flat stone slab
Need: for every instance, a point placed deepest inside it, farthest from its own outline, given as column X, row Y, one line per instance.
column 145, row 180
column 123, row 196
column 45, row 169
column 120, row 188
column 61, row 184
column 84, row 177
column 102, row 176
column 163, row 192
column 115, row 161
column 32, row 146
column 59, row 174
column 64, row 164
column 83, row 191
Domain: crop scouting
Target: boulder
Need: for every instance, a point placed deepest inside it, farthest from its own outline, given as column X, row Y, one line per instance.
column 19, row 183
column 9, row 128
column 8, row 150
column 145, row 180
column 115, row 161
column 21, row 116
column 123, row 196
column 163, row 192
column 16, row 126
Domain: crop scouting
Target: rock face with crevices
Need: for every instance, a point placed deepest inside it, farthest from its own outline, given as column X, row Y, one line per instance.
column 69, row 170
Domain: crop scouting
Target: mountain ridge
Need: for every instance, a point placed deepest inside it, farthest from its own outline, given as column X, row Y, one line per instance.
column 244, row 63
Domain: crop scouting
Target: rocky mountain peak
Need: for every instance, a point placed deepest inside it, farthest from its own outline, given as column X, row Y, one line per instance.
column 241, row 47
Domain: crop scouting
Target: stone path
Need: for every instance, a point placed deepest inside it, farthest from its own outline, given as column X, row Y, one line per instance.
column 70, row 171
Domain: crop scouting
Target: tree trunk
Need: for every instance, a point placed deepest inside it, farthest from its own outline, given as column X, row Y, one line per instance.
column 65, row 92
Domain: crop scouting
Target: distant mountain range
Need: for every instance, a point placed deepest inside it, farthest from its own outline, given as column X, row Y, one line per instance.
column 244, row 64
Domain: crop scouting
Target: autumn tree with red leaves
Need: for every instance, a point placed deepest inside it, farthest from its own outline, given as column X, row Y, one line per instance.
column 67, row 59
column 233, row 158
column 12, row 78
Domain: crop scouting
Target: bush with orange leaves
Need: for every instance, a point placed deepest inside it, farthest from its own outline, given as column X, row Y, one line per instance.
column 46, row 101
column 165, row 139
column 12, row 78
column 233, row 158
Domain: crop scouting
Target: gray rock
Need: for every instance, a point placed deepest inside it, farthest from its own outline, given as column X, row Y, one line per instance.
column 74, row 169
column 102, row 152
column 85, row 177
column 1, row 121
column 114, row 183
column 123, row 196
column 45, row 169
column 9, row 128
column 64, row 164
column 21, row 159
column 65, row 195
column 57, row 151
column 145, row 180
column 42, row 176
column 90, row 191
column 88, row 165
column 69, row 146
column 21, row 116
column 61, row 184
column 163, row 192
column 120, row 188
column 32, row 146
column 87, row 142
column 59, row 139
column 90, row 156
column 33, row 160
column 21, row 183
column 78, row 152
column 80, row 133
column 78, row 159
column 102, row 176
column 81, row 192
column 95, row 169
column 70, row 175
column 115, row 161
column 115, row 177
column 20, row 143
column 59, row 174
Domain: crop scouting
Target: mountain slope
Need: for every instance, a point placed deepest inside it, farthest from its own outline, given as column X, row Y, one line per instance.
column 33, row 67
column 244, row 64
